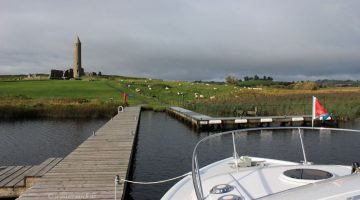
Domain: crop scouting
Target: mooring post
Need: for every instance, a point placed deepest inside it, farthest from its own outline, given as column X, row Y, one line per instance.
column 120, row 109
column 116, row 182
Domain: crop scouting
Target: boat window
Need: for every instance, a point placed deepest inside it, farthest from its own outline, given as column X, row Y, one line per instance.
column 308, row 174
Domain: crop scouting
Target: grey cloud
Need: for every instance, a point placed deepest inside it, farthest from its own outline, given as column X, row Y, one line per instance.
column 184, row 39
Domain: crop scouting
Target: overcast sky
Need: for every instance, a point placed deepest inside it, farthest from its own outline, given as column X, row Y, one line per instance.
column 184, row 39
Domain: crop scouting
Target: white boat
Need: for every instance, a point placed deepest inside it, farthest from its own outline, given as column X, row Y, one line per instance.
column 245, row 177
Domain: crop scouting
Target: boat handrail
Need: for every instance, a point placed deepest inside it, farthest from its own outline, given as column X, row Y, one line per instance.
column 195, row 164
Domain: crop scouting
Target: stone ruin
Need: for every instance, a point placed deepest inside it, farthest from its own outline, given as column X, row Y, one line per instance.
column 61, row 74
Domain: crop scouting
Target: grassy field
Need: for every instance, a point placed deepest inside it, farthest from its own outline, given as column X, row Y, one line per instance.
column 91, row 97
column 99, row 97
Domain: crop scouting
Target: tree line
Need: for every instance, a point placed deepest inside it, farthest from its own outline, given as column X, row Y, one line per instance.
column 234, row 80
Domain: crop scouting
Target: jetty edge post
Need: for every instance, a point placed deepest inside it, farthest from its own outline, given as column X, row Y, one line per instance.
column 116, row 182
column 313, row 111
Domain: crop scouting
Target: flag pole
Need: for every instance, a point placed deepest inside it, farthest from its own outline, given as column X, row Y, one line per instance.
column 313, row 112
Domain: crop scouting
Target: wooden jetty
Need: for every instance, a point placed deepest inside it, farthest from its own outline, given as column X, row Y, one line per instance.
column 89, row 171
column 204, row 122
column 14, row 180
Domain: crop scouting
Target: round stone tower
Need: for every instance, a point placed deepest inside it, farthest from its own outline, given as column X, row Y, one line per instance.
column 77, row 59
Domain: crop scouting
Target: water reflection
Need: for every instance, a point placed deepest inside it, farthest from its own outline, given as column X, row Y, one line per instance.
column 31, row 142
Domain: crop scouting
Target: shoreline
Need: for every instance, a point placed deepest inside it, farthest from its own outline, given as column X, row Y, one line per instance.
column 79, row 112
column 65, row 111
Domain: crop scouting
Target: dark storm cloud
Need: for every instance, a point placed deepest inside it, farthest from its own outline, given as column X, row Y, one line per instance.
column 184, row 39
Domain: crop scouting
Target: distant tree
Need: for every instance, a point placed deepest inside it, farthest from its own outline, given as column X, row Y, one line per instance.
column 99, row 74
column 264, row 78
column 270, row 78
column 231, row 80
column 256, row 77
column 246, row 78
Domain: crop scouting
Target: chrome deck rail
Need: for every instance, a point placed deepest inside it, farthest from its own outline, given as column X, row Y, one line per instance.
column 196, row 174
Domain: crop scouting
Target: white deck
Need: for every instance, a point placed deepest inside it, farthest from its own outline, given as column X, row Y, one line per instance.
column 249, row 182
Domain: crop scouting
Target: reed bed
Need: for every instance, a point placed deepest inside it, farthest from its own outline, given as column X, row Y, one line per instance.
column 25, row 108
column 341, row 102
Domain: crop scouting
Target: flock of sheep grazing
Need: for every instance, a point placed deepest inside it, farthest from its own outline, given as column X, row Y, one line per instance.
column 196, row 95
column 200, row 96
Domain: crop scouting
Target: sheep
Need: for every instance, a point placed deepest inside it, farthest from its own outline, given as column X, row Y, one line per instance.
column 137, row 90
column 212, row 97
column 251, row 112
column 166, row 88
column 201, row 96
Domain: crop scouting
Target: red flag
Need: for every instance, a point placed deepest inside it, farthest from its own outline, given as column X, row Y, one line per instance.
column 318, row 112
column 319, row 109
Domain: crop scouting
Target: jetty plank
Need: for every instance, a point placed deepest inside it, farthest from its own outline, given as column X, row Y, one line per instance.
column 9, row 173
column 14, row 176
column 89, row 171
column 5, row 170
column 40, row 170
column 15, row 179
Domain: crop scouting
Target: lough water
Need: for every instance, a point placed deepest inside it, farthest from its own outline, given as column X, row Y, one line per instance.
column 165, row 146
column 33, row 141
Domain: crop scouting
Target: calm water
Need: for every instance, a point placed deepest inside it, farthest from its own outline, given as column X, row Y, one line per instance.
column 165, row 148
column 31, row 142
